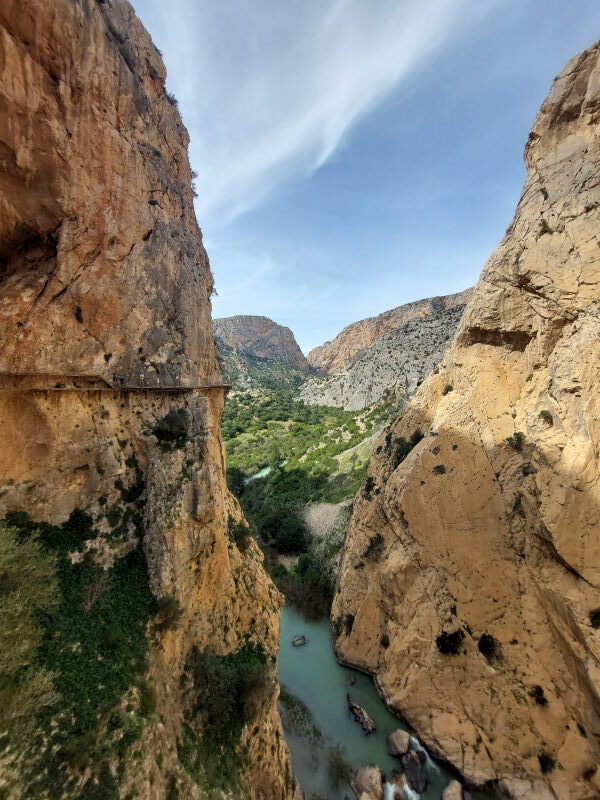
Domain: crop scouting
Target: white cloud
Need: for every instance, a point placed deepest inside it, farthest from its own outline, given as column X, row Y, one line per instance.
column 270, row 89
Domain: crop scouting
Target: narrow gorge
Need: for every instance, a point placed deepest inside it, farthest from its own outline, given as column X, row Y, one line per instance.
column 229, row 570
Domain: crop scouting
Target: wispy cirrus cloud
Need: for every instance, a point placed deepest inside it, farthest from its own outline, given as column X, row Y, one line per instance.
column 269, row 90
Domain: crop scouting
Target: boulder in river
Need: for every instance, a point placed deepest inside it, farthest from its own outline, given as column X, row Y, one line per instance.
column 414, row 766
column 298, row 641
column 453, row 791
column 360, row 715
column 398, row 742
column 368, row 783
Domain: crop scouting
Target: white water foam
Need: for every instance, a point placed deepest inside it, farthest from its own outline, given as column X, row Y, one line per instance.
column 418, row 748
column 407, row 793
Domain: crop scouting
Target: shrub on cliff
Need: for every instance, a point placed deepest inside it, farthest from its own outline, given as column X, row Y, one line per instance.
column 168, row 613
column 173, row 428
column 348, row 623
column 239, row 534
column 448, row 643
column 236, row 481
column 375, row 546
column 547, row 763
column 225, row 693
column 402, row 447
column 516, row 441
column 369, row 486
column 489, row 647
column 538, row 695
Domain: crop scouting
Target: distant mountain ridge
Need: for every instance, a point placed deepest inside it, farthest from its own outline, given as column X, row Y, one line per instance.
column 260, row 336
column 399, row 360
column 337, row 355
column 393, row 351
column 255, row 351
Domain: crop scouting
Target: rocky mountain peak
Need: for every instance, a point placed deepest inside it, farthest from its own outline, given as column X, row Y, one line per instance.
column 355, row 339
column 260, row 337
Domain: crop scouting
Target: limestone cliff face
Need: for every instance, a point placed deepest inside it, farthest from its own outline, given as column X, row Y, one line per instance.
column 110, row 395
column 469, row 584
column 336, row 356
column 102, row 265
column 261, row 337
column 257, row 352
column 397, row 361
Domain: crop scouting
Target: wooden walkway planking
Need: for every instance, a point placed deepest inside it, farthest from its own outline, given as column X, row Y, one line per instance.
column 225, row 386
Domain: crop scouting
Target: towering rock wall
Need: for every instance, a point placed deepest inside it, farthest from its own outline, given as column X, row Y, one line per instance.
column 337, row 356
column 110, row 402
column 469, row 584
column 103, row 270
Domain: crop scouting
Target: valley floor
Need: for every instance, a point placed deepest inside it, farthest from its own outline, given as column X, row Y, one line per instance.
column 295, row 469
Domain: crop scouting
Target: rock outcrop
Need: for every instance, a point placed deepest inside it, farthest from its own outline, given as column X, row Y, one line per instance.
column 111, row 401
column 398, row 742
column 261, row 337
column 453, row 791
column 256, row 352
column 476, row 549
column 398, row 361
column 337, row 355
column 368, row 784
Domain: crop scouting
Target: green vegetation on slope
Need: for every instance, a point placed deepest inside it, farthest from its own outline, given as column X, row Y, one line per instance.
column 27, row 587
column 273, row 427
column 242, row 369
column 87, row 643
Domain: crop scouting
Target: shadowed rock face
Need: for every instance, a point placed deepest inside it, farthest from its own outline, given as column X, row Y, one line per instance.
column 104, row 280
column 261, row 337
column 355, row 340
column 489, row 525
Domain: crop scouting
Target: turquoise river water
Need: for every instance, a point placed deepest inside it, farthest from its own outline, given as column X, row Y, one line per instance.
column 312, row 674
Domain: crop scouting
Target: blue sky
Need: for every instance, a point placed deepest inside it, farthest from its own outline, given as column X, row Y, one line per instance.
column 354, row 155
